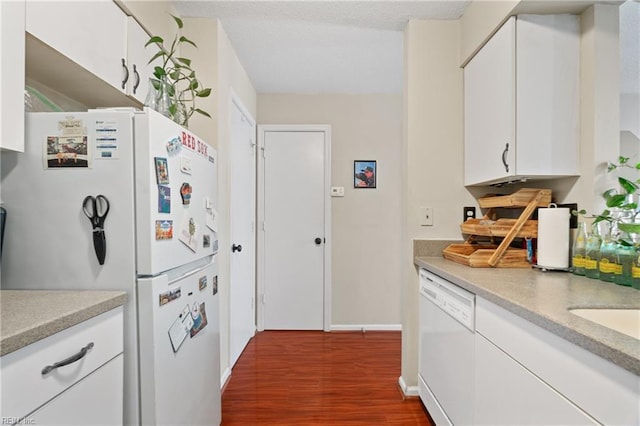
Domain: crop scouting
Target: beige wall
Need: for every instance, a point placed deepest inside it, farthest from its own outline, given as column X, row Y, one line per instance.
column 432, row 157
column 480, row 20
column 231, row 77
column 366, row 236
column 152, row 15
column 432, row 81
column 600, row 108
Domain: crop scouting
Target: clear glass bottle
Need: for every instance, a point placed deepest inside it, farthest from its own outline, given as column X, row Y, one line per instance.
column 635, row 269
column 608, row 264
column 626, row 254
column 158, row 96
column 592, row 254
column 579, row 249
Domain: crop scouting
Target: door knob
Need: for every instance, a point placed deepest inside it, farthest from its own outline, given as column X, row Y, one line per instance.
column 236, row 247
column 318, row 240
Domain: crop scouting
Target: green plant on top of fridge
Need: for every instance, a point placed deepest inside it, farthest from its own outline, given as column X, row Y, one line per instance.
column 175, row 79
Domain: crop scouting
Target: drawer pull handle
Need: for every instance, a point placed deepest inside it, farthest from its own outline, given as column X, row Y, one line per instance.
column 70, row 360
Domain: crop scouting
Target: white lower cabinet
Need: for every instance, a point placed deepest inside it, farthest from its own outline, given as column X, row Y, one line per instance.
column 525, row 374
column 77, row 405
column 506, row 393
column 84, row 385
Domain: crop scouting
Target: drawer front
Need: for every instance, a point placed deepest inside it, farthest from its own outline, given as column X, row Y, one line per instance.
column 94, row 400
column 25, row 388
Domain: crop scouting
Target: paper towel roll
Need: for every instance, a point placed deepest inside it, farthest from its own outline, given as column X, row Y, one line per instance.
column 553, row 237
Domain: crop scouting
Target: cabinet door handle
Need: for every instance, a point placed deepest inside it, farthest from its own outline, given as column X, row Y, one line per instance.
column 70, row 360
column 126, row 73
column 504, row 158
column 137, row 83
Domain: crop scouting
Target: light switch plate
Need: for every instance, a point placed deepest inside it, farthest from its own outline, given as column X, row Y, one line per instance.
column 337, row 191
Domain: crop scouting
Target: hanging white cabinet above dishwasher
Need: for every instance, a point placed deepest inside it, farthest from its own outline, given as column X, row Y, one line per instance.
column 522, row 102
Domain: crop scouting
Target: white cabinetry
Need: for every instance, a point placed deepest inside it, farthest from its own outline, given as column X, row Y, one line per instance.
column 12, row 16
column 137, row 58
column 90, row 33
column 521, row 94
column 506, row 393
column 527, row 375
column 97, row 36
column 87, row 390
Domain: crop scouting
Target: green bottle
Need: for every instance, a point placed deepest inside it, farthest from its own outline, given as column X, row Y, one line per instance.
column 626, row 255
column 635, row 269
column 592, row 254
column 579, row 252
column 608, row 264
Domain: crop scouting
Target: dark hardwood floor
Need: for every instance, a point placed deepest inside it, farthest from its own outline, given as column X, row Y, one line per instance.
column 317, row 378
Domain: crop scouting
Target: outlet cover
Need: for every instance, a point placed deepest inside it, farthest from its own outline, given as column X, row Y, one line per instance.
column 469, row 213
column 426, row 216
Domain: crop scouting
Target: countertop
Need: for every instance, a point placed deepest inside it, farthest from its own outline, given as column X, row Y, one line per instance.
column 544, row 298
column 30, row 315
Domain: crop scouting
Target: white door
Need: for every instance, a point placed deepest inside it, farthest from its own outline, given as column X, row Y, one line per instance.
column 243, row 207
column 295, row 211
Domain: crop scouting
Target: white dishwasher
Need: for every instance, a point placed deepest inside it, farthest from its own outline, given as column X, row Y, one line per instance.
column 446, row 350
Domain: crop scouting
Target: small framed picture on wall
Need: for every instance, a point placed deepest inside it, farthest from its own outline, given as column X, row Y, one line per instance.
column 365, row 174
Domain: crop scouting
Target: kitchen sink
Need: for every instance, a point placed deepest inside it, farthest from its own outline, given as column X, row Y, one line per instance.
column 625, row 321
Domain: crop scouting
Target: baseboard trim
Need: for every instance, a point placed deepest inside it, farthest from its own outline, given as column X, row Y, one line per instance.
column 224, row 378
column 408, row 390
column 366, row 327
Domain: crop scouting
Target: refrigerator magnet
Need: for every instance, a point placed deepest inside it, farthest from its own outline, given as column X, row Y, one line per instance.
column 164, row 229
column 106, row 140
column 66, row 152
column 200, row 318
column 202, row 282
column 162, row 170
column 189, row 233
column 164, row 199
column 214, row 285
column 212, row 219
column 185, row 164
column 206, row 241
column 180, row 328
column 185, row 193
column 174, row 145
column 169, row 296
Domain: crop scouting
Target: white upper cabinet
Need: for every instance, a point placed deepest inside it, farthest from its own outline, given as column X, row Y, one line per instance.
column 93, row 34
column 522, row 102
column 12, row 75
column 137, row 58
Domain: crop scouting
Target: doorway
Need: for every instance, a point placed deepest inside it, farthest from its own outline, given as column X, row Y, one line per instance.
column 294, row 218
column 242, row 323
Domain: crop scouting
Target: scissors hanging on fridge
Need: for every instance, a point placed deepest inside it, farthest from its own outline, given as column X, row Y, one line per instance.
column 96, row 209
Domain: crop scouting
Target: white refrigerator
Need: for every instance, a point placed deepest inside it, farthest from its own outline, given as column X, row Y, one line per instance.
column 158, row 242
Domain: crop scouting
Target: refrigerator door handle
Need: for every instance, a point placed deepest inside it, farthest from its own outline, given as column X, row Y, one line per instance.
column 188, row 274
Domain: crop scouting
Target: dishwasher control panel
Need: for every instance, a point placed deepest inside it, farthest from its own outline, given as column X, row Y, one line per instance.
column 454, row 300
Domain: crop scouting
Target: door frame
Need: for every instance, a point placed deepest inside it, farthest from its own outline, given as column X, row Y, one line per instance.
column 262, row 129
column 236, row 102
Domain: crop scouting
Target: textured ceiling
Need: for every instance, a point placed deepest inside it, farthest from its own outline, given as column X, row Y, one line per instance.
column 320, row 46
column 348, row 46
